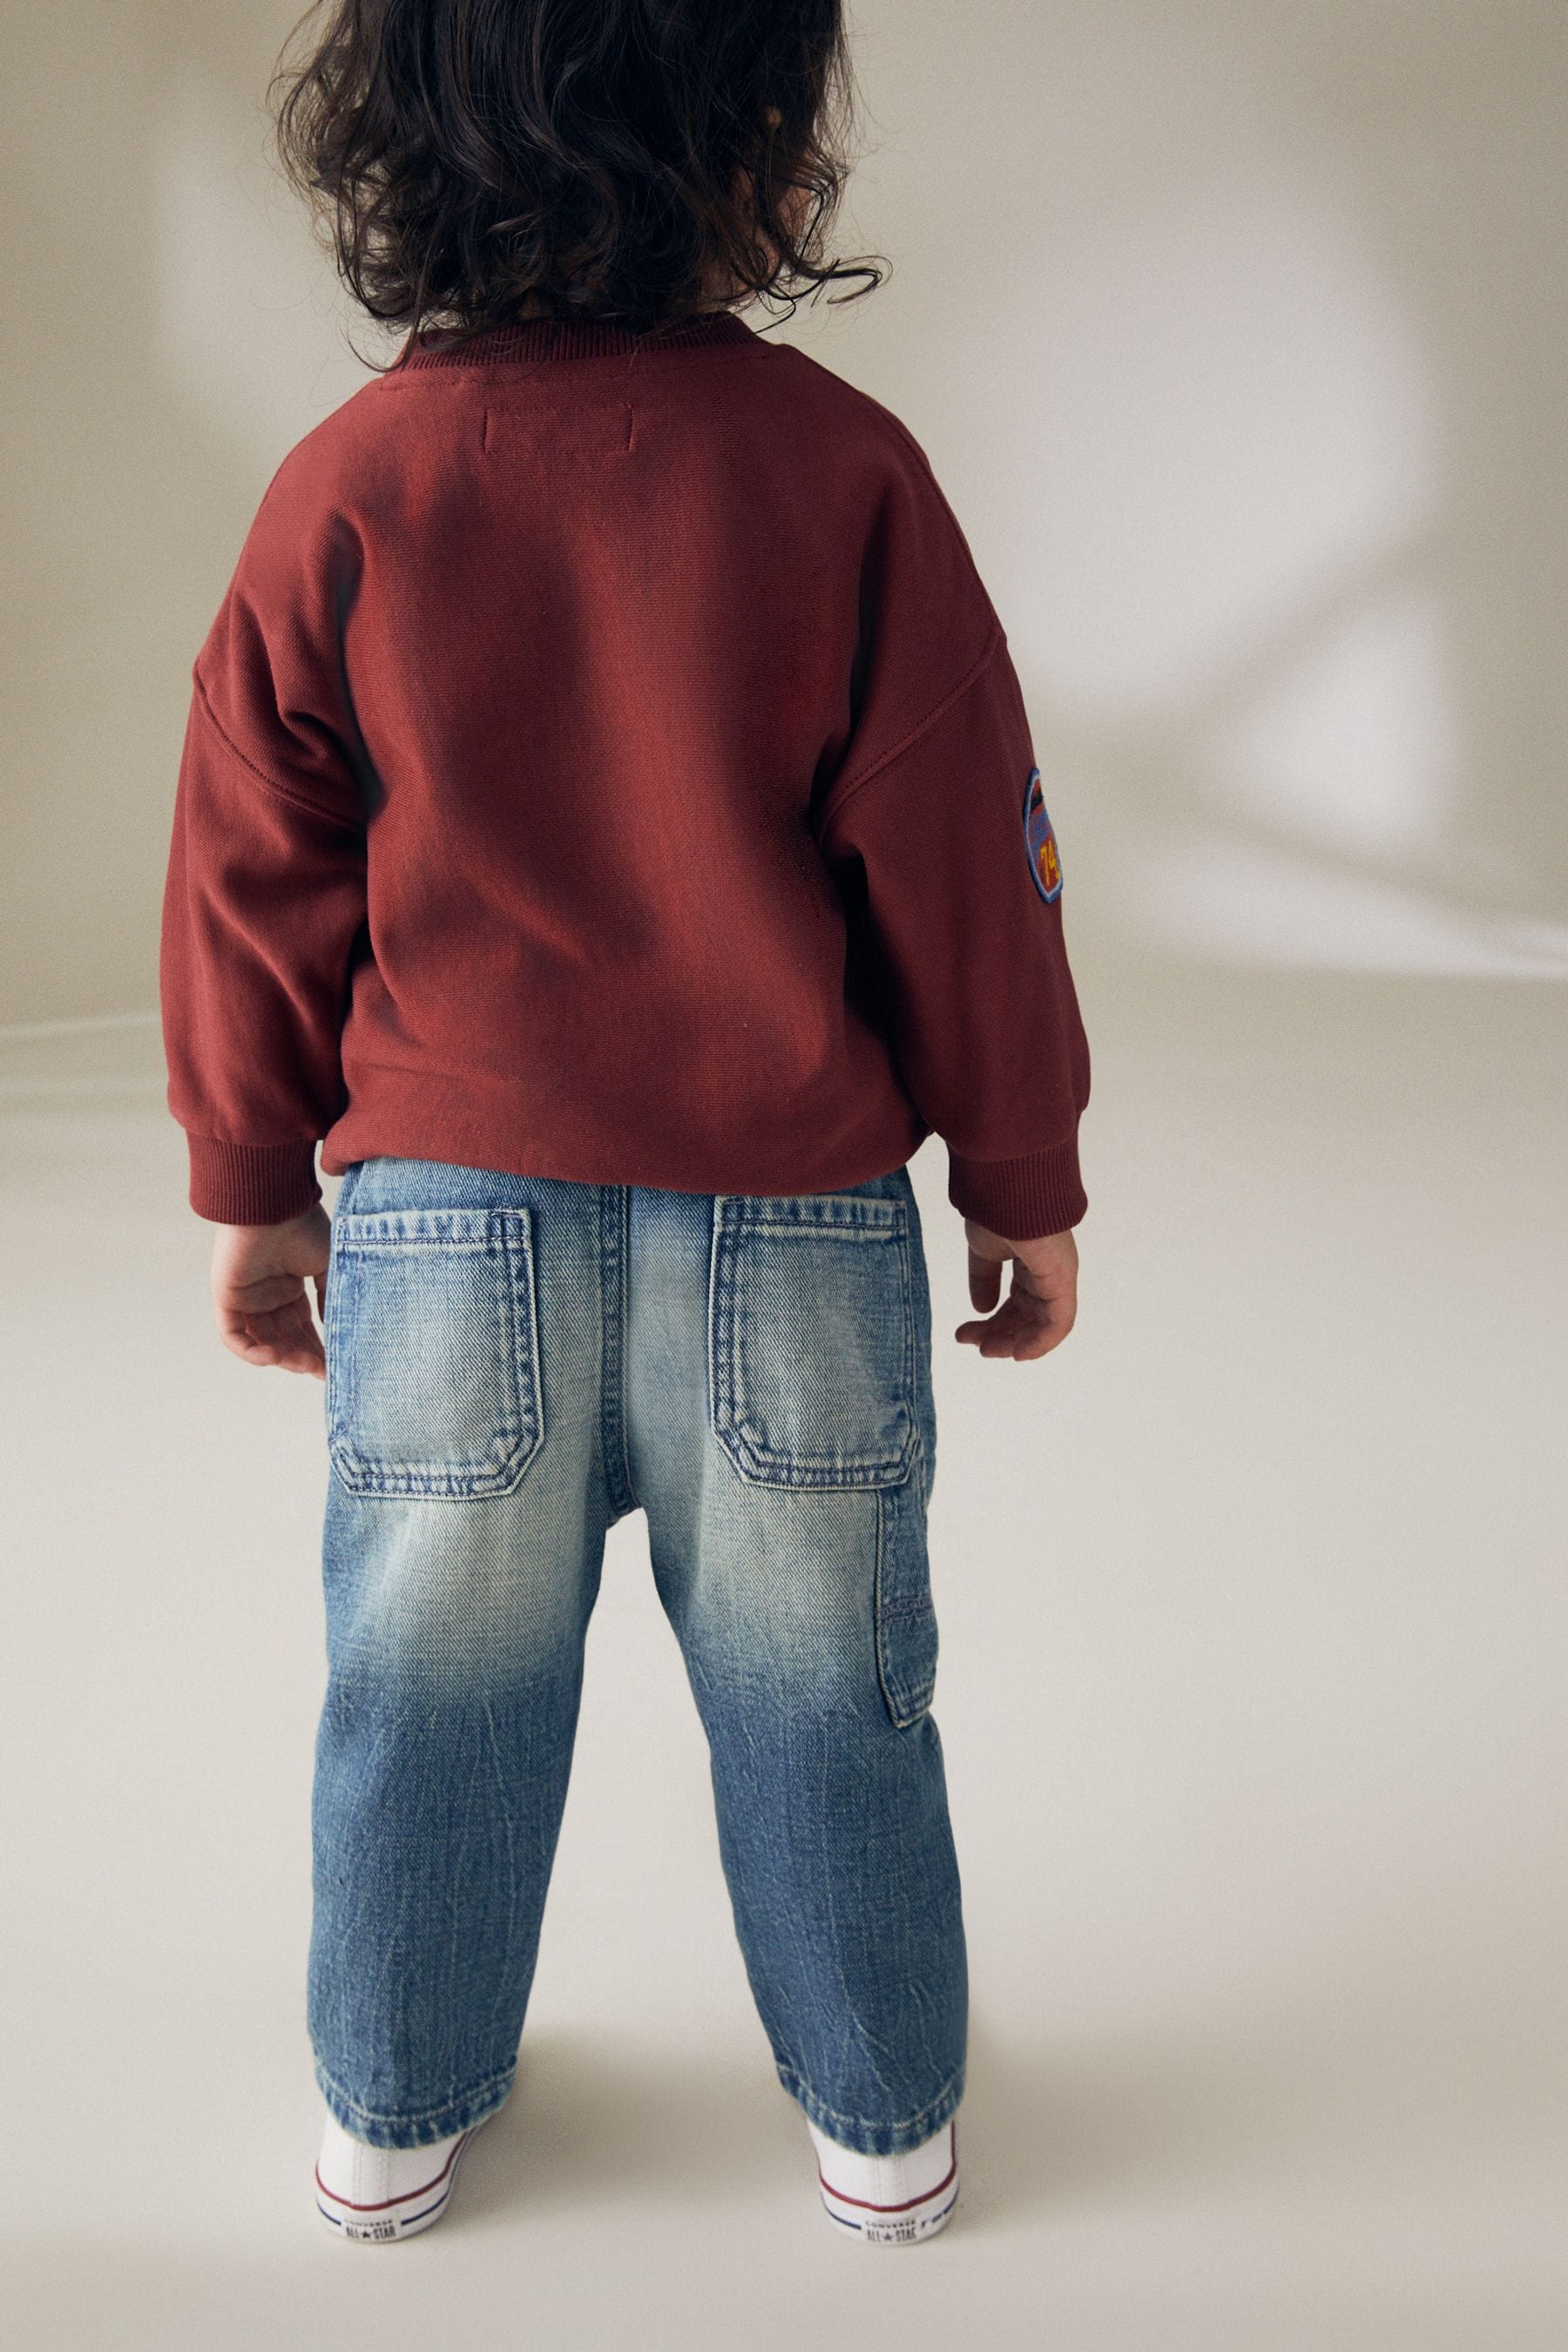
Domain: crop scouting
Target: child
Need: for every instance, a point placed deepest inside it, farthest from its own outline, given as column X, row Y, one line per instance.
column 608, row 824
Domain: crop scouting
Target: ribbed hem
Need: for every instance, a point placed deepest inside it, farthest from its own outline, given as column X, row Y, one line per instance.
column 251, row 1183
column 572, row 339
column 1021, row 1200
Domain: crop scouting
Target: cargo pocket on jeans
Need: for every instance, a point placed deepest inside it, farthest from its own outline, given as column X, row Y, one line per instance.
column 811, row 1354
column 905, row 1618
column 432, row 1349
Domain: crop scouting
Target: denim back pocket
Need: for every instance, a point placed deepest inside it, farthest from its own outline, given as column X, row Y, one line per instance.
column 432, row 1347
column 812, row 1338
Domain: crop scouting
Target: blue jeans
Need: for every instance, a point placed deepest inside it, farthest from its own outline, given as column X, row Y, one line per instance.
column 513, row 1363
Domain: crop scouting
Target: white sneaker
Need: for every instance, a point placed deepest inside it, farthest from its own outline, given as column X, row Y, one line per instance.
column 889, row 2200
column 378, row 2194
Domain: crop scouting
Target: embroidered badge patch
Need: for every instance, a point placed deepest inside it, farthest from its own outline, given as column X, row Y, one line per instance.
column 1040, row 840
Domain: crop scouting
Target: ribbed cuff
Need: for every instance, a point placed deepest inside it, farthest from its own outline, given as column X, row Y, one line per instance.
column 251, row 1183
column 1021, row 1200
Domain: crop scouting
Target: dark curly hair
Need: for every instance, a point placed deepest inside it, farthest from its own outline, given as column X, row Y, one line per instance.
column 476, row 161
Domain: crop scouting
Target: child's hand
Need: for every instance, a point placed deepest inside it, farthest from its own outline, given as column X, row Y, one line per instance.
column 1042, row 1306
column 259, row 1290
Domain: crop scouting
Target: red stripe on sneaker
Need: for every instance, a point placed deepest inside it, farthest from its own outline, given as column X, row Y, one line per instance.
column 350, row 2207
column 866, row 2203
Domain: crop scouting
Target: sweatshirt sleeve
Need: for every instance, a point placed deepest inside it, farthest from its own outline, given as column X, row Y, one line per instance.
column 265, row 894
column 944, row 853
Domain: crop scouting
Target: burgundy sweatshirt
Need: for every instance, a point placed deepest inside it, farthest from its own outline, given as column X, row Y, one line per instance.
column 605, row 762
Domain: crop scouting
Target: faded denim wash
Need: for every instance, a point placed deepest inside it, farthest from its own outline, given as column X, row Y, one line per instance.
column 514, row 1364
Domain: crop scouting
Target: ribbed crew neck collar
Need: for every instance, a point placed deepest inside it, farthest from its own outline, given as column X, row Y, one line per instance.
column 575, row 339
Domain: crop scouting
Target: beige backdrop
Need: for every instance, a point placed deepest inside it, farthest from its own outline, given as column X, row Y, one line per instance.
column 1234, row 332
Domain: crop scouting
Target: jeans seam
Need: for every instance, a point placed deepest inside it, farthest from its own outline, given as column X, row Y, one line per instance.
column 865, row 2123
column 416, row 2115
column 615, row 1239
column 622, row 1351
